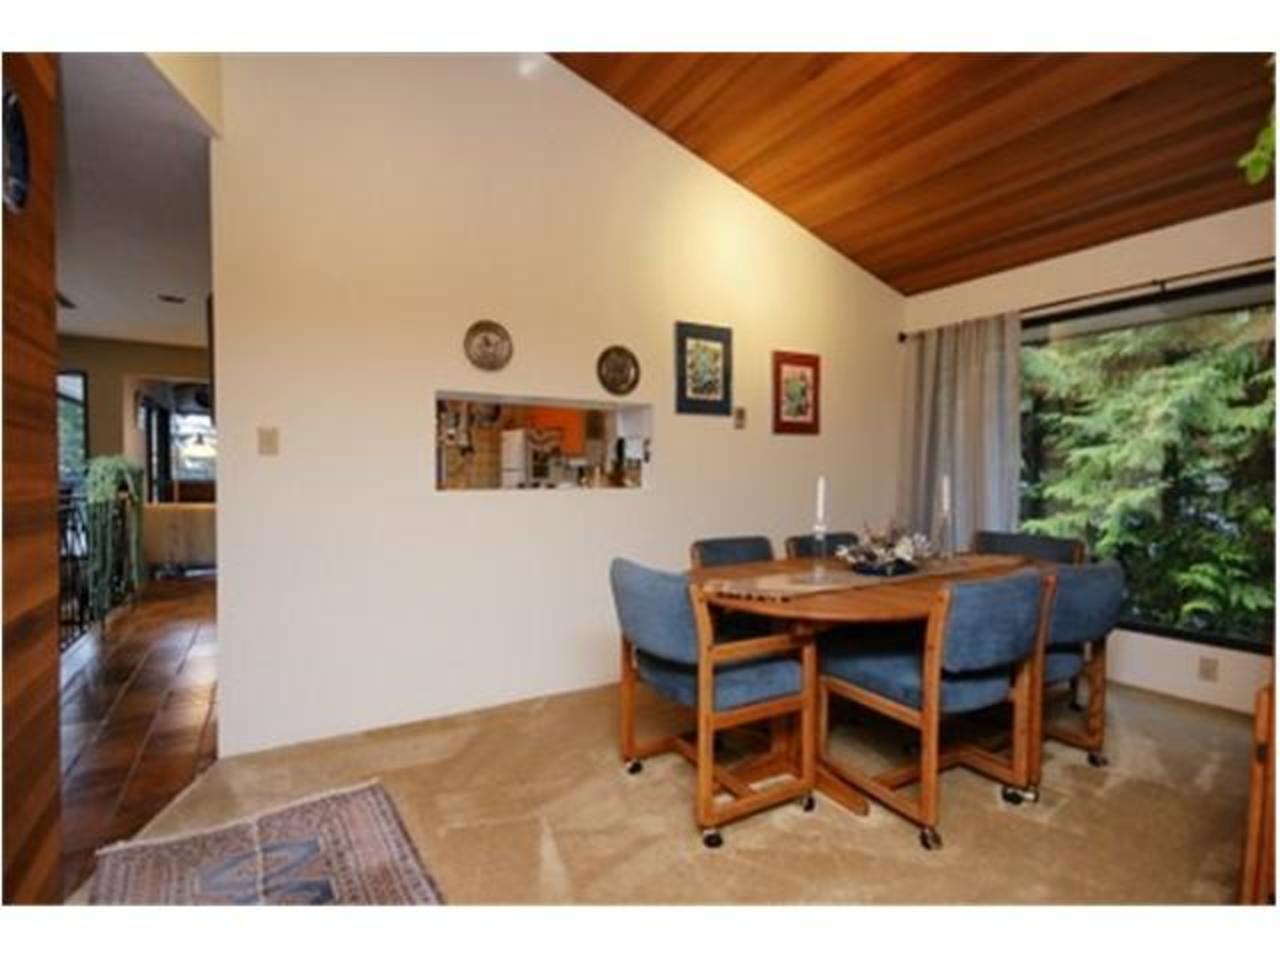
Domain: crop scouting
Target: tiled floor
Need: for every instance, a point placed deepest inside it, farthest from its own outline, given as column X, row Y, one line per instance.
column 138, row 717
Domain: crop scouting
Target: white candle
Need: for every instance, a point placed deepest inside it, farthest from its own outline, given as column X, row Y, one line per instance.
column 946, row 493
column 822, row 499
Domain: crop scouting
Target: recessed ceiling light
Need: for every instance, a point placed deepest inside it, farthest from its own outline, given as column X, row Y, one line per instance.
column 170, row 298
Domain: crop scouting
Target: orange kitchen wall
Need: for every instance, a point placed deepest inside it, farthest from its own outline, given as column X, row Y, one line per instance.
column 571, row 423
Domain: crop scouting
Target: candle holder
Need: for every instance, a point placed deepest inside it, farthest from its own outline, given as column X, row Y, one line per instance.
column 944, row 541
column 819, row 551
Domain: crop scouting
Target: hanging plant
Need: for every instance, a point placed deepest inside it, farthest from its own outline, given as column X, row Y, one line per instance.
column 113, row 494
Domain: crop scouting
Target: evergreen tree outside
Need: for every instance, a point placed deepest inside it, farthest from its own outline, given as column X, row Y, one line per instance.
column 1156, row 445
column 71, row 440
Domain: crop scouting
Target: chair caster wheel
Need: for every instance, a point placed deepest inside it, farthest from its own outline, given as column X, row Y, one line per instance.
column 634, row 767
column 809, row 803
column 930, row 839
column 711, row 839
column 1098, row 760
column 1011, row 796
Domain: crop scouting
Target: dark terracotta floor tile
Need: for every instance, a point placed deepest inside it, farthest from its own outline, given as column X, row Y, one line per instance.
column 138, row 717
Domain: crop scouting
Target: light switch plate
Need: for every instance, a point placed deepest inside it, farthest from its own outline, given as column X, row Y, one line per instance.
column 268, row 442
column 739, row 418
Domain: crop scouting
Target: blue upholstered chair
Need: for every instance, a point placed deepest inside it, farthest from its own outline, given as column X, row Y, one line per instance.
column 980, row 648
column 1033, row 545
column 804, row 545
column 1086, row 607
column 724, row 551
column 1038, row 547
column 727, row 551
column 667, row 642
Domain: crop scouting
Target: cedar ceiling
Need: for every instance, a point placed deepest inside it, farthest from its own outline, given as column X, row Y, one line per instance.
column 932, row 169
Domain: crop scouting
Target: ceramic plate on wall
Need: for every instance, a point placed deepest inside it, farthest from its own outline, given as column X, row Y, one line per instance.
column 618, row 370
column 488, row 345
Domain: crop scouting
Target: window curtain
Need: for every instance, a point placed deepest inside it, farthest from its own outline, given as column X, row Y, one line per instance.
column 962, row 429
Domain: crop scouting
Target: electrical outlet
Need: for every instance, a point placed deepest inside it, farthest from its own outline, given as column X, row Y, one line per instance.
column 1208, row 670
column 268, row 442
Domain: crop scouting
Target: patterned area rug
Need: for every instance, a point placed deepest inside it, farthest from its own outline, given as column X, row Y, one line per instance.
column 345, row 847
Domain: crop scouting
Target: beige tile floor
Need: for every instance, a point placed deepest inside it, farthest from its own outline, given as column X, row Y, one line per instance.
column 527, row 803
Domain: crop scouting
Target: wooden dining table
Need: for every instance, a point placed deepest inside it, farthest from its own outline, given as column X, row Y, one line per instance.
column 810, row 595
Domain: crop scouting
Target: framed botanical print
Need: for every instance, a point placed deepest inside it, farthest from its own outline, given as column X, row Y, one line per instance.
column 797, row 381
column 704, row 369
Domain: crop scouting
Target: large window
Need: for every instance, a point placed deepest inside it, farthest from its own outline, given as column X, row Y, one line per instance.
column 73, row 437
column 1154, row 442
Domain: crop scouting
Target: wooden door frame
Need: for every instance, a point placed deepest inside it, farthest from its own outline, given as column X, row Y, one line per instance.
column 32, row 769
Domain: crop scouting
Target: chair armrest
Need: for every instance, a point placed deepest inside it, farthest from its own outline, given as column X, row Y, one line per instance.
column 756, row 648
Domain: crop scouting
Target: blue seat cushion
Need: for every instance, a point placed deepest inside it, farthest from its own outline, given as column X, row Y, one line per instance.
column 736, row 684
column 1062, row 663
column 891, row 668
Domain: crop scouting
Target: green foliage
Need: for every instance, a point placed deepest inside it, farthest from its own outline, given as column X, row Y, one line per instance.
column 1155, row 445
column 1259, row 161
column 71, row 439
column 113, row 493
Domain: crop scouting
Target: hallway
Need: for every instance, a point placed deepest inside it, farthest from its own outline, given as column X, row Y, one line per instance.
column 138, row 717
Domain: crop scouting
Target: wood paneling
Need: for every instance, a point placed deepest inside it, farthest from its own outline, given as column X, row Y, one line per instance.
column 31, row 770
column 932, row 169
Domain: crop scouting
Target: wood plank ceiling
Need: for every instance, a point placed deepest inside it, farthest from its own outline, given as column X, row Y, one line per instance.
column 932, row 169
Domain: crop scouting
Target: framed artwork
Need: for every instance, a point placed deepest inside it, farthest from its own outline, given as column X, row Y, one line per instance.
column 704, row 369
column 797, row 383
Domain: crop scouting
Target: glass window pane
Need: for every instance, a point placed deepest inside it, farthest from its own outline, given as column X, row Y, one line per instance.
column 71, row 386
column 195, row 442
column 1155, row 444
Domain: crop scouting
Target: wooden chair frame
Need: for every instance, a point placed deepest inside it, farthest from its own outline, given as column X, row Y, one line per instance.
column 1019, row 769
column 795, row 756
column 1090, row 737
column 1258, row 867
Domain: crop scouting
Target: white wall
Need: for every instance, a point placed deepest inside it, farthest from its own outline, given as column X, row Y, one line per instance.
column 1172, row 666
column 1237, row 236
column 366, row 210
column 198, row 77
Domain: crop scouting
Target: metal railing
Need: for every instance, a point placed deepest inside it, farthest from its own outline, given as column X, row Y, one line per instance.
column 73, row 569
column 97, row 561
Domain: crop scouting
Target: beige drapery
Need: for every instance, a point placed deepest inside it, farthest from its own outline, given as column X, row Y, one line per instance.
column 961, row 422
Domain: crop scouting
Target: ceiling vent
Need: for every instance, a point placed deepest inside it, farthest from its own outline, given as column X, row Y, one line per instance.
column 170, row 298
column 65, row 302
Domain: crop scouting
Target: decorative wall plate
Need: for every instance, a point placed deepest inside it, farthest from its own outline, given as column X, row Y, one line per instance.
column 618, row 370
column 488, row 345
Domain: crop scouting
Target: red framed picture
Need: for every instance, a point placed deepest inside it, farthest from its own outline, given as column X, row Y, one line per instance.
column 797, row 386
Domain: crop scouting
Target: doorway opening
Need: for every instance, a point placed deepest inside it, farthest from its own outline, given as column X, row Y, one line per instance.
column 137, row 446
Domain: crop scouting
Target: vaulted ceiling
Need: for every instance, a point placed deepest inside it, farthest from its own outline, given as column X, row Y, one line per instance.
column 932, row 169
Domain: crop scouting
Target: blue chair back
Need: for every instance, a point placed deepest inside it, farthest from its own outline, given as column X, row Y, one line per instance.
column 991, row 623
column 1037, row 546
column 805, row 545
column 654, row 610
column 1087, row 603
column 723, row 551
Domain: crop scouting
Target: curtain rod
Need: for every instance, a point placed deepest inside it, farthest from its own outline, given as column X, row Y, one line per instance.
column 1152, row 286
